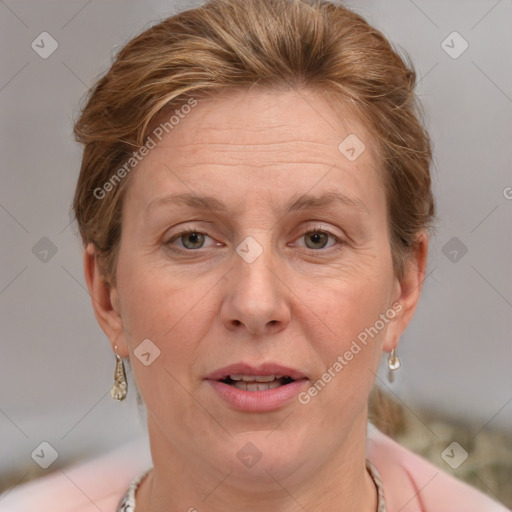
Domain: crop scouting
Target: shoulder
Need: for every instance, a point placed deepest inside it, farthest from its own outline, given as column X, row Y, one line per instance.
column 98, row 484
column 413, row 484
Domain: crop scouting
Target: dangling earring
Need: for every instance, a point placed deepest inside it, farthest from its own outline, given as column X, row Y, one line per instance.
column 393, row 364
column 120, row 386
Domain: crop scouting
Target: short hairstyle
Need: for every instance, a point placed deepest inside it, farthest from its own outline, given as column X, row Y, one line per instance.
column 276, row 44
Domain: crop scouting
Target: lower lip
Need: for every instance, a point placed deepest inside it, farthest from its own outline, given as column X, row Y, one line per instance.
column 258, row 401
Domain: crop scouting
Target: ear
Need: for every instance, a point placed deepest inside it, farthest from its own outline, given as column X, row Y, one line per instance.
column 408, row 291
column 105, row 301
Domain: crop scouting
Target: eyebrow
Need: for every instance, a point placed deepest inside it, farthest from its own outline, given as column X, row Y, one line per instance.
column 297, row 203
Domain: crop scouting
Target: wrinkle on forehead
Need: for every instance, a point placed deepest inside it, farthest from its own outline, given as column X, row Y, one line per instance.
column 247, row 140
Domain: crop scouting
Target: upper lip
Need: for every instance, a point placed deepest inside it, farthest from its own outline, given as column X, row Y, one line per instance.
column 263, row 369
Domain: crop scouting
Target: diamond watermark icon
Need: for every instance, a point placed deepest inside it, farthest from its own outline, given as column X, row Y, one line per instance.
column 351, row 147
column 249, row 250
column 454, row 455
column 249, row 454
column 146, row 352
column 45, row 455
column 44, row 45
column 454, row 249
column 454, row 45
column 44, row 250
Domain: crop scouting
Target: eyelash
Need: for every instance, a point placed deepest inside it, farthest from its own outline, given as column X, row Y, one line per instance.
column 177, row 236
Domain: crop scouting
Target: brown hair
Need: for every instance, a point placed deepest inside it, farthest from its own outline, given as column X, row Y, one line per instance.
column 277, row 44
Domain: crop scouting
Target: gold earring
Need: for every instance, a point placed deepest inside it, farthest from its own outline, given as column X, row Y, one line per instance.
column 393, row 364
column 120, row 386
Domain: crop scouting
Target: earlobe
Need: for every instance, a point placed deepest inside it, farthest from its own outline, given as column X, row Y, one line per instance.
column 104, row 299
column 408, row 291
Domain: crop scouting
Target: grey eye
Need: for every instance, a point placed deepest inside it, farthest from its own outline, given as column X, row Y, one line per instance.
column 192, row 240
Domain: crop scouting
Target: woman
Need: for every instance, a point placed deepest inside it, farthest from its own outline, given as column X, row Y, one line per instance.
column 255, row 203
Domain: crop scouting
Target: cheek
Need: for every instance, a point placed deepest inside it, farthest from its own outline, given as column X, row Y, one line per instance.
column 175, row 314
column 174, row 311
column 337, row 322
column 346, row 322
column 344, row 313
column 157, row 301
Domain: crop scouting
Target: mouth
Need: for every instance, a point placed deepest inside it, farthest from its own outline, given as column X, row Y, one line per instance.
column 258, row 382
column 257, row 388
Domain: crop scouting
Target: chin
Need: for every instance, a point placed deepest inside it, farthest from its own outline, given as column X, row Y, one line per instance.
column 263, row 454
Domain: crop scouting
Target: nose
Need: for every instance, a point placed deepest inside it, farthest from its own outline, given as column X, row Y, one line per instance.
column 256, row 298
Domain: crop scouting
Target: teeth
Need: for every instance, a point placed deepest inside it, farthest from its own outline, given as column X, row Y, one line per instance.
column 257, row 386
column 255, row 378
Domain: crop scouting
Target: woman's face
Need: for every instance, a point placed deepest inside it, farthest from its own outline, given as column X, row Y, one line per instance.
column 286, row 270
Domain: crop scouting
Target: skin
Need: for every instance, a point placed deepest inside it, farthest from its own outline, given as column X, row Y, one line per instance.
column 301, row 303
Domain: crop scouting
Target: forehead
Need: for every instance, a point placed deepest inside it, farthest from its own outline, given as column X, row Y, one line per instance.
column 248, row 140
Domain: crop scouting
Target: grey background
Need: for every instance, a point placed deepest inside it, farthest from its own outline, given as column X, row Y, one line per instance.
column 56, row 364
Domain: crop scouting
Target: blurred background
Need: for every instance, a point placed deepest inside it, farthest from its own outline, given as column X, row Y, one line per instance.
column 56, row 368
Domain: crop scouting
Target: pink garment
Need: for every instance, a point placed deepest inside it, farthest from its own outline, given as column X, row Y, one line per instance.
column 411, row 484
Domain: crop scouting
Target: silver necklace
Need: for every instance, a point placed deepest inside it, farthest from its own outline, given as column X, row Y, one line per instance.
column 381, row 504
column 127, row 503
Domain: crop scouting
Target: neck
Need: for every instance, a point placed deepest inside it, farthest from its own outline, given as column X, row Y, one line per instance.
column 340, row 483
